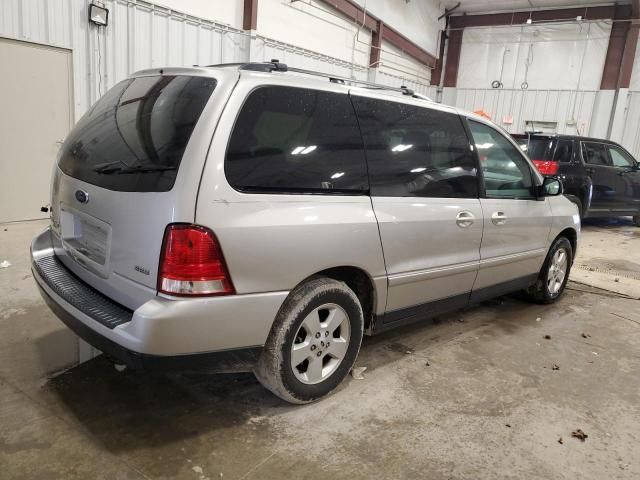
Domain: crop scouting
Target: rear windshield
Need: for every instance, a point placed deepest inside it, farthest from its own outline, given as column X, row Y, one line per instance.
column 536, row 148
column 133, row 138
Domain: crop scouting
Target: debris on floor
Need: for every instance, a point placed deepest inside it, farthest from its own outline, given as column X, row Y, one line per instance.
column 358, row 373
column 538, row 319
column 5, row 264
column 427, row 364
column 400, row 348
column 547, row 337
column 579, row 434
column 555, row 367
column 508, row 425
column 560, row 441
column 585, row 335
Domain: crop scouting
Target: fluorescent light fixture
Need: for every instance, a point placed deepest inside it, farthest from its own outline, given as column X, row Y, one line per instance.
column 337, row 175
column 418, row 170
column 401, row 147
column 98, row 15
column 309, row 149
column 297, row 150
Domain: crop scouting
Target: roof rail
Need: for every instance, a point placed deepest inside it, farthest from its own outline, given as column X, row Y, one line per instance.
column 275, row 66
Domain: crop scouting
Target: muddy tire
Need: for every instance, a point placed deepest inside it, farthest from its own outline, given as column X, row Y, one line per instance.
column 554, row 274
column 314, row 341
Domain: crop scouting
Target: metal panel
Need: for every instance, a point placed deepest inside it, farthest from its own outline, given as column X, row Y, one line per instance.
column 571, row 110
column 631, row 133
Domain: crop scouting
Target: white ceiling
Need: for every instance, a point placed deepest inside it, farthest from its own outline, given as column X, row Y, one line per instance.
column 484, row 6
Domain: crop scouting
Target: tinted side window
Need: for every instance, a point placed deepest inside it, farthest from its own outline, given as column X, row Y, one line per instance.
column 296, row 140
column 505, row 172
column 564, row 151
column 620, row 158
column 595, row 154
column 415, row 151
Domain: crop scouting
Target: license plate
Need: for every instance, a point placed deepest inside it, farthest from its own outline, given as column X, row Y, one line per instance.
column 85, row 235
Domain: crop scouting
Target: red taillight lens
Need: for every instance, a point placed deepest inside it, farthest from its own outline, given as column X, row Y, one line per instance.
column 191, row 263
column 546, row 167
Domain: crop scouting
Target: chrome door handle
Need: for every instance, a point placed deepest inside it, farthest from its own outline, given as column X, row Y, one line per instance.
column 498, row 218
column 465, row 219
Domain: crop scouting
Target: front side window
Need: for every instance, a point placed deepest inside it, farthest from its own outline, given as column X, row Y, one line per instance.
column 134, row 137
column 595, row 154
column 620, row 158
column 295, row 140
column 415, row 151
column 505, row 172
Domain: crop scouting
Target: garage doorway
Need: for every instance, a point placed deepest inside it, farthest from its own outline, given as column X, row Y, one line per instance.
column 35, row 98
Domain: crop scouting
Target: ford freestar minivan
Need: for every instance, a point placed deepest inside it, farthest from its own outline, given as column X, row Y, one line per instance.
column 251, row 217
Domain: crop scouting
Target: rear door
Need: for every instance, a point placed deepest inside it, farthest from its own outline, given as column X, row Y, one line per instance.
column 608, row 187
column 131, row 166
column 424, row 194
column 627, row 169
column 516, row 224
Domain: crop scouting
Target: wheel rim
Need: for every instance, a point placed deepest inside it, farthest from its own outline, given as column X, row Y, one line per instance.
column 557, row 271
column 320, row 344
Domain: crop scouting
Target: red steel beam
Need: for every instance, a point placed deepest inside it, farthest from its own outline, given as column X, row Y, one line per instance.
column 453, row 58
column 376, row 45
column 621, row 50
column 352, row 10
column 250, row 15
column 518, row 18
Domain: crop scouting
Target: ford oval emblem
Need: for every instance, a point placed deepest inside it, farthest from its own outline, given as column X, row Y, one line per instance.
column 82, row 197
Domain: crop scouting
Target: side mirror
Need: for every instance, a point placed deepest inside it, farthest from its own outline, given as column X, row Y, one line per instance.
column 551, row 187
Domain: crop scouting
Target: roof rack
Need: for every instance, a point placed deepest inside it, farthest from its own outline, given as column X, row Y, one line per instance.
column 276, row 66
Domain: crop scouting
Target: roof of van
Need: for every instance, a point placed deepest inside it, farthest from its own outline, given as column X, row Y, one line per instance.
column 250, row 69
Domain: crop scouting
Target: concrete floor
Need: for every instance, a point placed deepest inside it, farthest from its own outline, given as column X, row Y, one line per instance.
column 472, row 395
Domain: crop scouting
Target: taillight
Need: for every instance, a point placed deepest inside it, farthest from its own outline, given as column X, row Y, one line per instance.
column 546, row 167
column 191, row 263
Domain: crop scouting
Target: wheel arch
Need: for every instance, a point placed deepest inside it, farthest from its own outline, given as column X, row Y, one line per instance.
column 357, row 280
column 571, row 235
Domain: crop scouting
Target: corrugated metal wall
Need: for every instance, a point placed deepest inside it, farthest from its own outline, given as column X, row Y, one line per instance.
column 143, row 35
column 631, row 132
column 571, row 110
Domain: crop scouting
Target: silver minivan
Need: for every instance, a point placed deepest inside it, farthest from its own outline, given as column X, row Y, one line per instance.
column 259, row 218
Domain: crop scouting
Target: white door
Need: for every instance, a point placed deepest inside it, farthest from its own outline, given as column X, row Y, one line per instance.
column 35, row 100
column 516, row 223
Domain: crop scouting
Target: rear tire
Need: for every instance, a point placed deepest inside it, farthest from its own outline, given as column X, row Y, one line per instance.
column 554, row 274
column 314, row 341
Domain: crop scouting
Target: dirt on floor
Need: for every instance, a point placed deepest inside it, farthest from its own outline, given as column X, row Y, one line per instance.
column 472, row 395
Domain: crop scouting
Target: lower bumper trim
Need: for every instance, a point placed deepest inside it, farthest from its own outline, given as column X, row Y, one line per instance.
column 234, row 360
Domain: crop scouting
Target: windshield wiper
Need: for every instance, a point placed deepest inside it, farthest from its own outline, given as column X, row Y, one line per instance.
column 119, row 167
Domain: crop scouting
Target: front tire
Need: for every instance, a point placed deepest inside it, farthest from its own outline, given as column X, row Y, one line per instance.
column 314, row 341
column 554, row 274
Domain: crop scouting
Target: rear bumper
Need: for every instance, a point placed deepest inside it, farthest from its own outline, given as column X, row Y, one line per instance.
column 215, row 333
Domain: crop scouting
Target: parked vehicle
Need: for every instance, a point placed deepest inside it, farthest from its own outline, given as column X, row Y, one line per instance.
column 599, row 176
column 253, row 218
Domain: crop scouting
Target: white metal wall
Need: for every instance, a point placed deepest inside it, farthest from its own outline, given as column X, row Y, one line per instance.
column 631, row 131
column 571, row 110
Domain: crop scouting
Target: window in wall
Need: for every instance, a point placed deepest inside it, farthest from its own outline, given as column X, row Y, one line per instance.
column 415, row 151
column 505, row 172
column 290, row 140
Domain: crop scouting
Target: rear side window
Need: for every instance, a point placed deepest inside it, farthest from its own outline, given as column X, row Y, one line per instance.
column 564, row 151
column 595, row 154
column 134, row 137
column 415, row 151
column 294, row 140
column 536, row 148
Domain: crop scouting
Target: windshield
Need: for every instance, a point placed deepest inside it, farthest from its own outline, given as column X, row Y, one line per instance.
column 134, row 137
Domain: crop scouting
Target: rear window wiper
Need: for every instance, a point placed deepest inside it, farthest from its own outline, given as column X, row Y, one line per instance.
column 121, row 168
